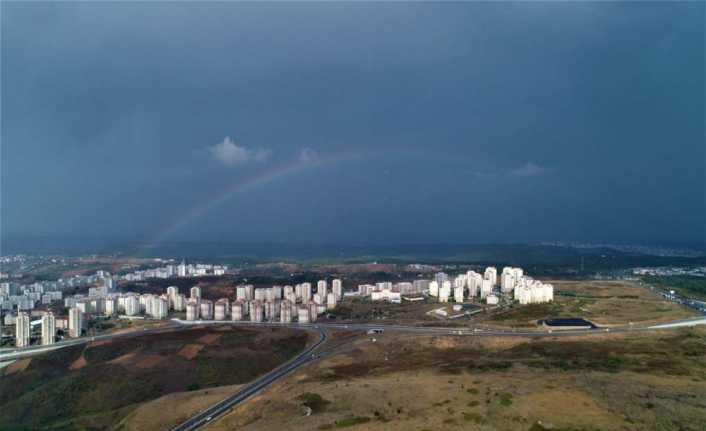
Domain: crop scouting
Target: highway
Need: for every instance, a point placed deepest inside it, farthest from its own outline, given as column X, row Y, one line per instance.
column 175, row 324
column 311, row 353
column 19, row 353
column 305, row 357
column 201, row 419
column 461, row 331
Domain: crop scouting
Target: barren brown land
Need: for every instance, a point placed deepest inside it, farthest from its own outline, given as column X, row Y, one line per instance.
column 645, row 381
column 105, row 385
column 606, row 303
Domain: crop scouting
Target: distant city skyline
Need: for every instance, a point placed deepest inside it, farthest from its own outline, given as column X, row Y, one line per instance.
column 403, row 123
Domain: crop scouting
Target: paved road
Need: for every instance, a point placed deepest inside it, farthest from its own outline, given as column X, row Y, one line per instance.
column 175, row 324
column 19, row 353
column 309, row 354
column 441, row 330
column 218, row 409
column 201, row 419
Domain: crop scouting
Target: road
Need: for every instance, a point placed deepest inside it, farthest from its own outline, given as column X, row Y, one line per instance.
column 175, row 324
column 201, row 419
column 311, row 353
column 218, row 409
column 441, row 330
column 19, row 353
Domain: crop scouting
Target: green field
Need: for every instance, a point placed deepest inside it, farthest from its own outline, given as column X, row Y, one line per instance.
column 685, row 285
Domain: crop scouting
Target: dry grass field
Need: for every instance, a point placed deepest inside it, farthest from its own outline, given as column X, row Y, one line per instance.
column 97, row 385
column 646, row 381
column 606, row 303
column 617, row 302
column 172, row 409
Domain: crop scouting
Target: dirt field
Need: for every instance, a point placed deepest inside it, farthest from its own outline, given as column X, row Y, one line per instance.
column 606, row 303
column 437, row 383
column 97, row 385
column 615, row 302
column 170, row 410
column 18, row 366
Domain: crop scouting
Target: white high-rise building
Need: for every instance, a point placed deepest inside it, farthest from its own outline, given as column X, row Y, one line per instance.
column 249, row 292
column 491, row 273
column 180, row 302
column 289, row 294
column 181, row 269
column 192, row 310
column 318, row 299
column 474, row 281
column 110, row 306
column 276, row 292
column 22, row 328
column 305, row 292
column 257, row 312
column 206, row 309
column 75, row 322
column 440, row 277
column 331, row 301
column 160, row 307
column 48, row 328
column 486, row 288
column 172, row 293
column 238, row 310
column 507, row 282
column 458, row 294
column 132, row 305
column 146, row 303
column 337, row 288
column 303, row 315
column 434, row 288
column 285, row 312
column 240, row 293
column 195, row 293
column 221, row 309
column 445, row 291
column 322, row 288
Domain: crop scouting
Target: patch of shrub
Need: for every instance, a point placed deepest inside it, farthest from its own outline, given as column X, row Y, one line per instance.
column 314, row 401
column 505, row 399
column 490, row 365
column 351, row 421
column 473, row 417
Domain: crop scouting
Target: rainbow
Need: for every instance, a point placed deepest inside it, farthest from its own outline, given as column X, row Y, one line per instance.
column 273, row 174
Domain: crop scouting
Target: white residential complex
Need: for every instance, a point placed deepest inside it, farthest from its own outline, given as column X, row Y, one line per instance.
column 270, row 304
column 289, row 303
column 469, row 286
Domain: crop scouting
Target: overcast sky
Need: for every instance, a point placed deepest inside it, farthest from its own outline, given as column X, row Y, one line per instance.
column 344, row 122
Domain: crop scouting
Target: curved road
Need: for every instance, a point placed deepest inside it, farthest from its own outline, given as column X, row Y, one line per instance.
column 218, row 409
column 311, row 354
column 18, row 353
column 176, row 324
column 201, row 419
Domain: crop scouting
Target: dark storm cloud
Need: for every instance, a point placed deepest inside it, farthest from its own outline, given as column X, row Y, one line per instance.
column 416, row 122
